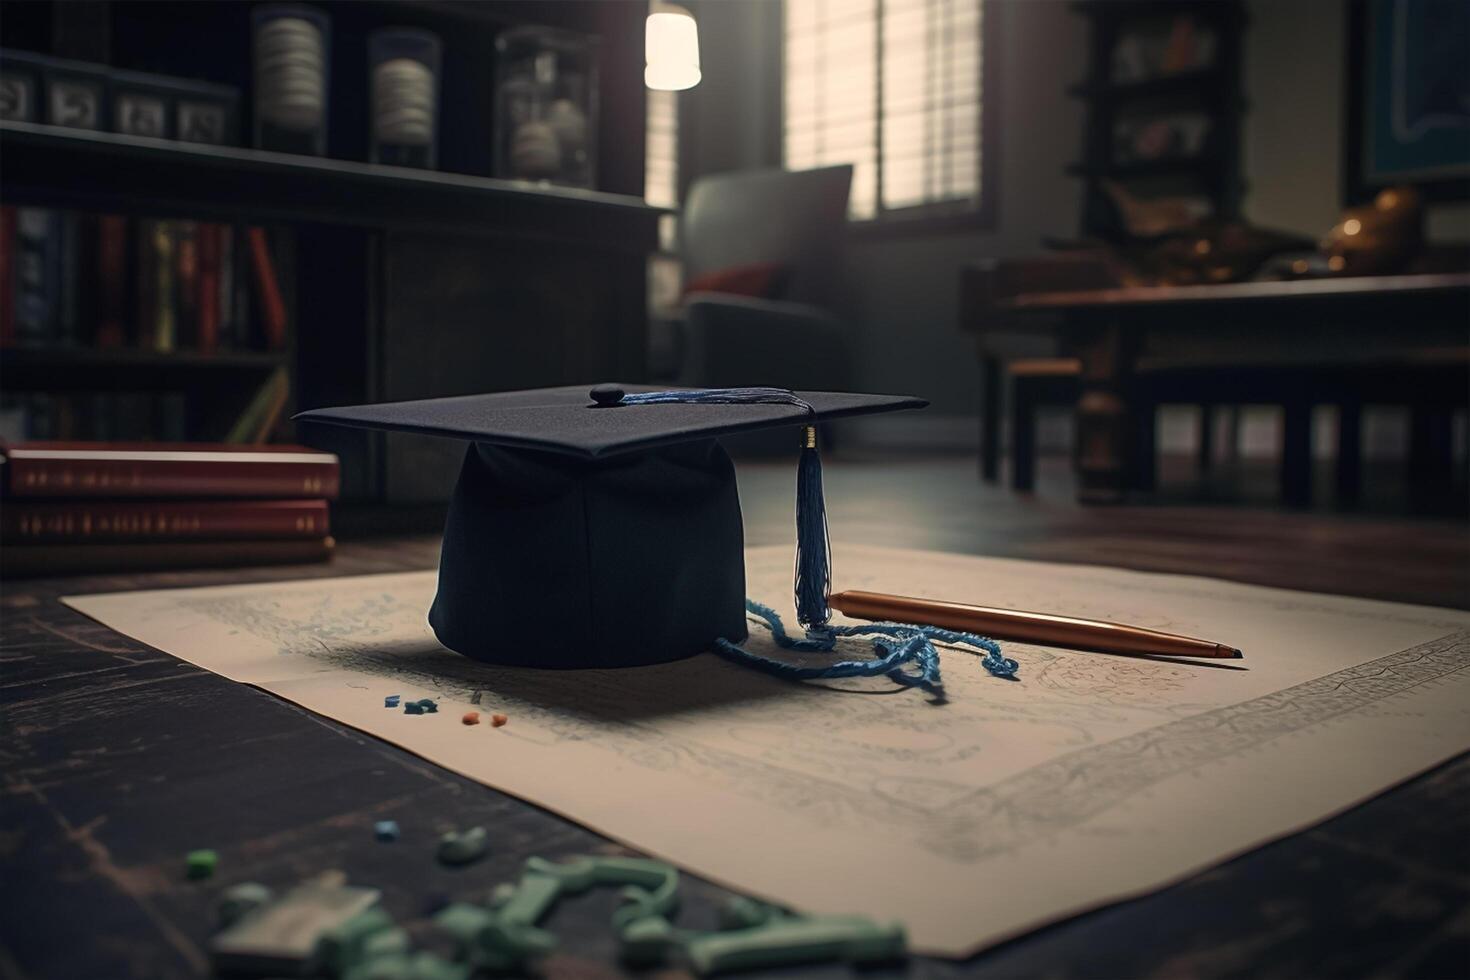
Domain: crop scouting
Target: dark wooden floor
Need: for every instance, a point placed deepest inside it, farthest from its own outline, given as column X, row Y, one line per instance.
column 117, row 759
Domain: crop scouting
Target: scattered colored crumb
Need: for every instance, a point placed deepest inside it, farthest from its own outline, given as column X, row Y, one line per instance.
column 498, row 720
column 201, row 864
column 386, row 830
column 429, row 705
column 413, row 708
column 391, row 701
column 471, row 718
column 463, row 847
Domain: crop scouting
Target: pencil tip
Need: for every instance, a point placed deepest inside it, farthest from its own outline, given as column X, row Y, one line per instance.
column 1236, row 655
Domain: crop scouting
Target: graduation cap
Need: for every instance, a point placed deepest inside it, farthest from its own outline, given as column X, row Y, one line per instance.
column 609, row 520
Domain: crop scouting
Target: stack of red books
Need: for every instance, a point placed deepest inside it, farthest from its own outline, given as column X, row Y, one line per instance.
column 94, row 507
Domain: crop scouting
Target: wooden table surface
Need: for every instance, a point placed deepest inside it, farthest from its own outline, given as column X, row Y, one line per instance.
column 118, row 759
column 1348, row 288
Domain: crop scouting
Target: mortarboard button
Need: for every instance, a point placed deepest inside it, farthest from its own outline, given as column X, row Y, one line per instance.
column 607, row 394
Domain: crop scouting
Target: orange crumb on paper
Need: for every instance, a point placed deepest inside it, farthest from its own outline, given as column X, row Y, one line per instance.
column 498, row 720
column 471, row 718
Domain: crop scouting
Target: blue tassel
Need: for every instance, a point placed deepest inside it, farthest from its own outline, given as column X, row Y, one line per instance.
column 896, row 646
column 813, row 550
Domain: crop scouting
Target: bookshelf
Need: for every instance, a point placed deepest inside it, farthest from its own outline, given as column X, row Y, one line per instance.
column 1163, row 101
column 399, row 283
column 113, row 172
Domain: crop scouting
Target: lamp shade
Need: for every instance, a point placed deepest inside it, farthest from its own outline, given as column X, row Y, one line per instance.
column 671, row 50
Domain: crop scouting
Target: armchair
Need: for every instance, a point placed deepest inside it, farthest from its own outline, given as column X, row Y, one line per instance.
column 797, row 220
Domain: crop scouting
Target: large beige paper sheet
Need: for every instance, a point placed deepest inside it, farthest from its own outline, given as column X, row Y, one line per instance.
column 1089, row 779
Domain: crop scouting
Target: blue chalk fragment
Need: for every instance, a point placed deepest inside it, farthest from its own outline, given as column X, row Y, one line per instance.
column 386, row 830
column 391, row 701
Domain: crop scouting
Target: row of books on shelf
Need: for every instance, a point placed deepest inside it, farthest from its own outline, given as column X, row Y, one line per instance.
column 103, row 416
column 75, row 279
column 89, row 507
column 137, row 416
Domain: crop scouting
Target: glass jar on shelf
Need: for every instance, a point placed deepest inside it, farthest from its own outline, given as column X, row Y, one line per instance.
column 546, row 106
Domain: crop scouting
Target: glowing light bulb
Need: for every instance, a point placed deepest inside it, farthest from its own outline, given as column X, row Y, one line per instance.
column 671, row 50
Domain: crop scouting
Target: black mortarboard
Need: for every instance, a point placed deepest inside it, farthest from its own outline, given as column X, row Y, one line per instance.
column 608, row 523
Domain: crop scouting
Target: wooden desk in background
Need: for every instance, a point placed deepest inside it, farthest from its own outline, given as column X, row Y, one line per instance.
column 1379, row 339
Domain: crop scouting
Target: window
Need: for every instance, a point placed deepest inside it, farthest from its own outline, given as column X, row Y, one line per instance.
column 892, row 87
column 661, row 189
column 661, row 152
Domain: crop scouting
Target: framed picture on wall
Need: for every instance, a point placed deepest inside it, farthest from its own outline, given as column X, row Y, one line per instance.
column 1408, row 97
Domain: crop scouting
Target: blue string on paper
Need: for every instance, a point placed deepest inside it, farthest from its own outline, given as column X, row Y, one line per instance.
column 896, row 645
column 903, row 652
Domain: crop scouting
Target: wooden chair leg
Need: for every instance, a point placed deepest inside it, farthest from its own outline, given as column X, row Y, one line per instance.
column 1431, row 453
column 1296, row 454
column 1143, row 449
column 1206, row 441
column 1349, row 465
column 1232, row 434
column 990, row 400
column 1023, row 436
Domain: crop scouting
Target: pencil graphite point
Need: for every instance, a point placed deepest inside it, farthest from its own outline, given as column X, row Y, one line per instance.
column 1230, row 653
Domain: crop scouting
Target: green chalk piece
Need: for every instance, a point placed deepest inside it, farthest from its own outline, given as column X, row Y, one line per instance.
column 645, row 943
column 788, row 941
column 463, row 847
column 744, row 913
column 340, row 948
column 512, row 946
column 281, row 938
column 239, row 900
column 200, row 864
column 394, row 966
column 413, row 708
column 388, row 942
column 429, row 705
column 466, row 924
column 427, row 966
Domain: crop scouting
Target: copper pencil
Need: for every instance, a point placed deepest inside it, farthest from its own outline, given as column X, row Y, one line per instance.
column 1046, row 629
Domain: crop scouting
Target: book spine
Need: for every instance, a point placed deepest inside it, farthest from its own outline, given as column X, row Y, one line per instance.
column 186, row 284
column 243, row 315
column 124, row 478
column 57, row 559
column 54, row 327
column 32, row 303
column 112, row 262
column 228, row 333
column 69, row 251
column 208, row 304
column 268, row 284
column 163, row 520
column 7, row 275
column 164, row 316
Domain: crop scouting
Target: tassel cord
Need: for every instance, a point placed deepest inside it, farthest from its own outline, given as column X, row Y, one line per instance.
column 904, row 653
column 896, row 646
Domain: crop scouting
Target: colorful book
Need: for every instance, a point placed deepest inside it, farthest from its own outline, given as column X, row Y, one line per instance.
column 35, row 239
column 186, row 284
column 32, row 560
column 207, row 308
column 255, row 423
column 81, row 469
column 268, row 284
column 112, row 280
column 227, row 312
column 165, row 322
column 161, row 520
